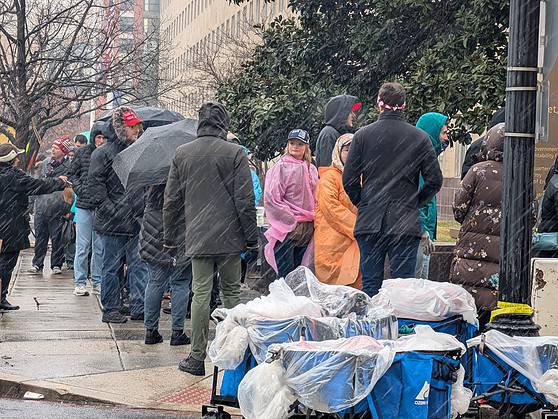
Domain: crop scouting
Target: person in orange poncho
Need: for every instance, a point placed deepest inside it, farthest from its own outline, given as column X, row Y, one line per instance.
column 336, row 254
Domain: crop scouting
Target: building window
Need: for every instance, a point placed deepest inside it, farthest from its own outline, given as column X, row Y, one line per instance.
column 258, row 10
column 233, row 26
column 126, row 24
column 282, row 5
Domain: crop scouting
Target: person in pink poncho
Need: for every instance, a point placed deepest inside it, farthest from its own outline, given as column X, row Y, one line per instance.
column 289, row 201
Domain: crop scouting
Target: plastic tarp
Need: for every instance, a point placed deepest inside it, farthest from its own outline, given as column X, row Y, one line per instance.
column 421, row 299
column 534, row 357
column 331, row 376
column 335, row 300
column 296, row 307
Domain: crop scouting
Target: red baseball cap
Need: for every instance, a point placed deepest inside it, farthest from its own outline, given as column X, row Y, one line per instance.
column 130, row 119
column 356, row 107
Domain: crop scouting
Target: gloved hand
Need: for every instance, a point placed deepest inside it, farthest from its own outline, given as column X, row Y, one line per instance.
column 426, row 244
column 252, row 250
column 170, row 254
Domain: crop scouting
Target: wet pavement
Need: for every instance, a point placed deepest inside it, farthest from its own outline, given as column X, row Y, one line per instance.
column 57, row 341
column 43, row 410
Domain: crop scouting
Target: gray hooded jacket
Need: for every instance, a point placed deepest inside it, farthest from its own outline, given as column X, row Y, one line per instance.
column 336, row 114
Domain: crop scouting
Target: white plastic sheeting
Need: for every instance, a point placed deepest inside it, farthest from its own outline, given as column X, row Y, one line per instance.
column 298, row 303
column 330, row 376
column 325, row 376
column 421, row 299
column 534, row 357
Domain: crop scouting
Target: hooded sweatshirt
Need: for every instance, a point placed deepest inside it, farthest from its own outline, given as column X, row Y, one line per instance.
column 336, row 113
column 431, row 123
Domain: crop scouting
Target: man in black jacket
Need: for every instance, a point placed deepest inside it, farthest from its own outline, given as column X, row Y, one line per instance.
column 51, row 210
column 210, row 191
column 117, row 221
column 15, row 189
column 381, row 177
column 86, row 238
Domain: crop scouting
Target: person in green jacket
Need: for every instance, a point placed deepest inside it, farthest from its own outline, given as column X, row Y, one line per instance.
column 434, row 124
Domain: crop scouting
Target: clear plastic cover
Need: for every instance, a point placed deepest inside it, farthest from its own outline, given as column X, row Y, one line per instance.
column 534, row 357
column 335, row 300
column 287, row 314
column 460, row 395
column 331, row 376
column 421, row 299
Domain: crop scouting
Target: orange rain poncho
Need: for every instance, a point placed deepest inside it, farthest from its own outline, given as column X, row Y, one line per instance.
column 336, row 257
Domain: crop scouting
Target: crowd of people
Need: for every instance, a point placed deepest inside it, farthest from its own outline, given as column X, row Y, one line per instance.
column 362, row 198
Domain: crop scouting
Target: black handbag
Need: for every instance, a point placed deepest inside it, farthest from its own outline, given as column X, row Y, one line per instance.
column 68, row 232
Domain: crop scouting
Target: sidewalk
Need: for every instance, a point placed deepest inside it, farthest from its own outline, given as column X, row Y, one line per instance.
column 62, row 345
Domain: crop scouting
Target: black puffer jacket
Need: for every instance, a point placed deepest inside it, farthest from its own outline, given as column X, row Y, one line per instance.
column 79, row 170
column 117, row 212
column 15, row 189
column 151, row 235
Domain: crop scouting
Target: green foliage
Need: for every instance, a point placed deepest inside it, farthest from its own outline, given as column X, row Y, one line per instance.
column 449, row 54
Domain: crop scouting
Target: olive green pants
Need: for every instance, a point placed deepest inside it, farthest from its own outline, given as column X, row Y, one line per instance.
column 202, row 285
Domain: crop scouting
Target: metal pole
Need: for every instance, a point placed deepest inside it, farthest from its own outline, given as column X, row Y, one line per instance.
column 519, row 151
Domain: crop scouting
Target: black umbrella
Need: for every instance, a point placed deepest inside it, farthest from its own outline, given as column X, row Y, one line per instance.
column 147, row 161
column 151, row 116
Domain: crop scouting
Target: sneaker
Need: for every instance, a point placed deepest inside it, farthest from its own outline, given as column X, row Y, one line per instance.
column 114, row 317
column 179, row 338
column 192, row 366
column 80, row 291
column 96, row 290
column 138, row 316
column 35, row 270
column 56, row 271
column 152, row 337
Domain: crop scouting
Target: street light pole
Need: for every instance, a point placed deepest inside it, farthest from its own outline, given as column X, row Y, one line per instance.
column 515, row 314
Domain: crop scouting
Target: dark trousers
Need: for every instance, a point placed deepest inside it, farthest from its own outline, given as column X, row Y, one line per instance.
column 8, row 262
column 402, row 253
column 288, row 257
column 48, row 227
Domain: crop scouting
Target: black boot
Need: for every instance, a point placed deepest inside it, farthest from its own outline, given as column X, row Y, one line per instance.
column 179, row 338
column 5, row 305
column 152, row 337
column 114, row 317
column 192, row 366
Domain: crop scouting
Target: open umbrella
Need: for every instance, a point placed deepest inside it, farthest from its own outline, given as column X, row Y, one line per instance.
column 151, row 116
column 148, row 160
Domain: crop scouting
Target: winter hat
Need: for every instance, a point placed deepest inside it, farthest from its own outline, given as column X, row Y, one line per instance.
column 80, row 138
column 494, row 143
column 341, row 142
column 299, row 134
column 8, row 152
column 432, row 123
column 64, row 144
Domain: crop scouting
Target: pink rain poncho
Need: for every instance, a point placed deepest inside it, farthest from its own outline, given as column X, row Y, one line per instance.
column 289, row 198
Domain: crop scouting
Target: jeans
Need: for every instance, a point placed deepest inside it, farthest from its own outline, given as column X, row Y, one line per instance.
column 160, row 276
column 8, row 261
column 402, row 252
column 48, row 227
column 423, row 264
column 288, row 257
column 87, row 241
column 114, row 248
column 202, row 285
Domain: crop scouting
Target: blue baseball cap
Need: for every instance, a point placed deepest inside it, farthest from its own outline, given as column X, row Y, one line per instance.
column 299, row 134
